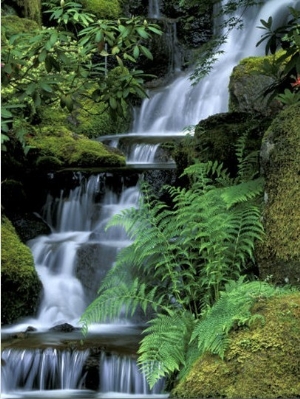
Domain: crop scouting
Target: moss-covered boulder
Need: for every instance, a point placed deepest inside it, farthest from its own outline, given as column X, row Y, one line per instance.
column 248, row 81
column 109, row 9
column 279, row 256
column 20, row 285
column 12, row 25
column 262, row 361
column 215, row 138
column 53, row 150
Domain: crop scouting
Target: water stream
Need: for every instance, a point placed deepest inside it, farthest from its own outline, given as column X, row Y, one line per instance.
column 74, row 258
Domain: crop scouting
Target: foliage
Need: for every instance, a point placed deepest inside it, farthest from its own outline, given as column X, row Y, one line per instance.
column 286, row 67
column 181, row 258
column 56, row 65
column 231, row 309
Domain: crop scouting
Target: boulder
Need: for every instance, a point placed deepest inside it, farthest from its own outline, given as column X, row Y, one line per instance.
column 248, row 82
column 262, row 361
column 279, row 255
column 20, row 284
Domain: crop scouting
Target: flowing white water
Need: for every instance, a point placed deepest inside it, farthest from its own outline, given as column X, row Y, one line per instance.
column 153, row 9
column 43, row 369
column 179, row 105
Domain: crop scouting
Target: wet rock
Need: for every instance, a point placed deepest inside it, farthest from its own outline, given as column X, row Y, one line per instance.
column 65, row 327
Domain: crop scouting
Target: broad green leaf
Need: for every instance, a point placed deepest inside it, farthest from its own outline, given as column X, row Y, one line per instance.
column 48, row 64
column 155, row 30
column 119, row 60
column 136, row 51
column 115, row 50
column 69, row 102
column 5, row 113
column 42, row 56
column 112, row 102
column 53, row 38
column 146, row 52
column 46, row 87
column 99, row 36
column 141, row 31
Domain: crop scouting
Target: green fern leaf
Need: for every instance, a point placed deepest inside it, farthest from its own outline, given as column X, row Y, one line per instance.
column 162, row 350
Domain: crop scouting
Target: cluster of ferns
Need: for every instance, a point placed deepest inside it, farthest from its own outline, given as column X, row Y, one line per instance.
column 185, row 264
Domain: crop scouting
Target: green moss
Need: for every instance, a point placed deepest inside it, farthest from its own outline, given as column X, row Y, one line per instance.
column 262, row 361
column 109, row 9
column 32, row 9
column 20, row 285
column 253, row 65
column 280, row 254
column 64, row 148
column 12, row 25
column 216, row 137
column 248, row 82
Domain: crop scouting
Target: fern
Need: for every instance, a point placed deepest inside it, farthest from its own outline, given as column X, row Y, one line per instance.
column 181, row 261
column 174, row 341
column 247, row 164
column 242, row 192
column 123, row 297
column 231, row 309
column 162, row 350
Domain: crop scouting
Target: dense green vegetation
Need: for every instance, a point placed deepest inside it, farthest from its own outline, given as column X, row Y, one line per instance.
column 70, row 60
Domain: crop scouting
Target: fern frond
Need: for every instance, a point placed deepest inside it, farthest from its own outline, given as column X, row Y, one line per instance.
column 247, row 164
column 242, row 192
column 232, row 308
column 162, row 350
column 122, row 297
column 245, row 228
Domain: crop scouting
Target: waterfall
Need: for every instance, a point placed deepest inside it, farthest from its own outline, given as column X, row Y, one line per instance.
column 43, row 369
column 154, row 9
column 178, row 105
column 121, row 374
column 75, row 257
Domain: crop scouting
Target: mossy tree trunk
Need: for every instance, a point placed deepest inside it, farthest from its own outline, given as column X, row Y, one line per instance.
column 32, row 9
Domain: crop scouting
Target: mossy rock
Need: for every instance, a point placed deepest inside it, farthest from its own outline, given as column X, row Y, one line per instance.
column 12, row 25
column 248, row 81
column 215, row 138
column 262, row 361
column 20, row 285
column 109, row 9
column 279, row 255
column 62, row 148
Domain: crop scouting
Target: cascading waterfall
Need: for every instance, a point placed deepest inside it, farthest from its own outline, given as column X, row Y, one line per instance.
column 154, row 9
column 77, row 219
column 178, row 105
column 43, row 369
column 74, row 258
